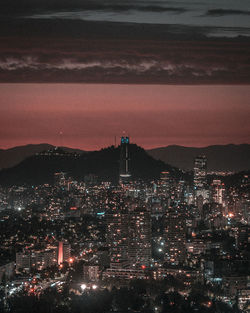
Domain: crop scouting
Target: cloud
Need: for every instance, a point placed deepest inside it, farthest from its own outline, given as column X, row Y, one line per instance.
column 76, row 51
column 136, row 66
column 112, row 70
column 31, row 6
column 222, row 12
column 12, row 64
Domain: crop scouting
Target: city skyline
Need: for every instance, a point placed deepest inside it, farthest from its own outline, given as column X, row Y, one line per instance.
column 124, row 156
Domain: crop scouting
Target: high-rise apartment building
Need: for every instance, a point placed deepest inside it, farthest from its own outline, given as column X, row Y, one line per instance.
column 129, row 237
column 139, row 249
column 23, row 261
column 200, row 172
column 200, row 178
column 117, row 236
column 175, row 236
column 218, row 192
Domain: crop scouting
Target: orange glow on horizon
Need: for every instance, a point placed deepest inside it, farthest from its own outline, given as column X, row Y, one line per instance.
column 89, row 116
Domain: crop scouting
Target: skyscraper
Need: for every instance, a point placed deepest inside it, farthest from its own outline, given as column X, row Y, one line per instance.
column 117, row 237
column 175, row 236
column 129, row 236
column 218, row 192
column 200, row 172
column 200, row 178
column 139, row 249
column 124, row 160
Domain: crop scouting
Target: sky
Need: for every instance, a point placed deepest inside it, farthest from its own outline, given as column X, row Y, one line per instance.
column 89, row 116
column 131, row 42
column 165, row 71
column 215, row 13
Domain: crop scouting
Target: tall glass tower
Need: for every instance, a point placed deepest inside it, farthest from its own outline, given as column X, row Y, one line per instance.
column 124, row 161
column 200, row 179
column 200, row 172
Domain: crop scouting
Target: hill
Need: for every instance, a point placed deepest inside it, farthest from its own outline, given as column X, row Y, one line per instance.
column 15, row 155
column 40, row 168
column 231, row 157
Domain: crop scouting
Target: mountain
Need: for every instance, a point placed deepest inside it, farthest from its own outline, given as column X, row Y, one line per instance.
column 13, row 156
column 230, row 157
column 221, row 157
column 40, row 168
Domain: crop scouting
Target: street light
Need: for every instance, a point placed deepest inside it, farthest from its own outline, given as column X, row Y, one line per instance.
column 83, row 287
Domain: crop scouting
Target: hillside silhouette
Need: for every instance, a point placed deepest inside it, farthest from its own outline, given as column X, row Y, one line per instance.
column 40, row 168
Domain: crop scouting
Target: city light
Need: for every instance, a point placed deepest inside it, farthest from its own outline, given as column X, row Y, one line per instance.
column 83, row 286
column 152, row 233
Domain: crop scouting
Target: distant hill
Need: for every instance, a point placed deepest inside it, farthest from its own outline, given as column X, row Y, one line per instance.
column 40, row 168
column 221, row 157
column 13, row 156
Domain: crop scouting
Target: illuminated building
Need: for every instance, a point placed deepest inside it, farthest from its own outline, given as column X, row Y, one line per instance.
column 200, row 172
column 129, row 237
column 164, row 184
column 243, row 299
column 196, row 247
column 165, row 176
column 200, row 177
column 175, row 236
column 243, row 237
column 218, row 192
column 139, row 249
column 43, row 259
column 117, row 237
column 199, row 203
column 35, row 259
column 124, row 160
column 232, row 284
column 23, row 261
column 60, row 252
column 59, row 179
column 125, row 273
column 63, row 252
column 90, row 272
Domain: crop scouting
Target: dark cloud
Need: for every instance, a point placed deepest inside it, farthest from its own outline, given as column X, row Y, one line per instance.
column 32, row 6
column 122, row 68
column 57, row 50
column 50, row 59
column 222, row 12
